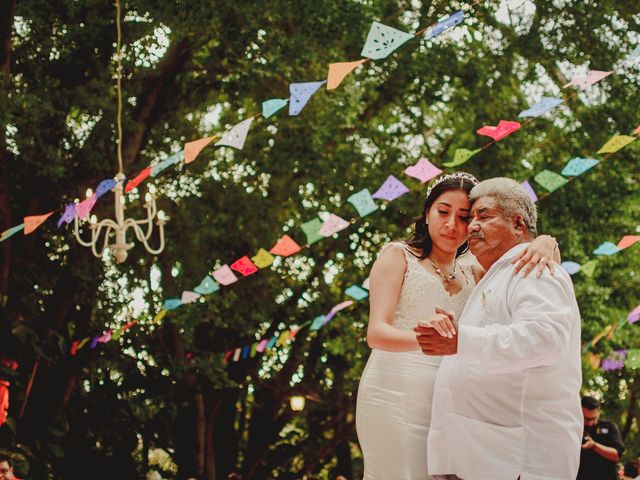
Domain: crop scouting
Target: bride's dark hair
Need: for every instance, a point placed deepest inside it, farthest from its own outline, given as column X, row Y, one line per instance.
column 420, row 240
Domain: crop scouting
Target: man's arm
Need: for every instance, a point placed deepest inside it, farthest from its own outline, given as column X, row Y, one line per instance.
column 542, row 311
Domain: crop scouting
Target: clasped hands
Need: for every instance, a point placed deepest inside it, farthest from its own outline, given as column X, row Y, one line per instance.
column 438, row 335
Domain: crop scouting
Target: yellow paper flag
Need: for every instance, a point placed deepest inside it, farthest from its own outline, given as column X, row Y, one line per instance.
column 337, row 72
column 616, row 142
column 34, row 221
column 263, row 258
column 193, row 149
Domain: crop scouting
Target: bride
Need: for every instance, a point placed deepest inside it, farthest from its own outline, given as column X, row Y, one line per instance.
column 408, row 281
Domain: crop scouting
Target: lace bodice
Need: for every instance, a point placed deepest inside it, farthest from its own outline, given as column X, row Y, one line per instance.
column 423, row 291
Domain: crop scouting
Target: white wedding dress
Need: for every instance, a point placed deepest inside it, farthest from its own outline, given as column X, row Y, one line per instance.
column 393, row 409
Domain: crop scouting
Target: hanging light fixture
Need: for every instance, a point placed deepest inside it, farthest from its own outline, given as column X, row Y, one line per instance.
column 117, row 228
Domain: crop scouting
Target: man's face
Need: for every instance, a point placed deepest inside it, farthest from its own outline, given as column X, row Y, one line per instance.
column 490, row 234
column 6, row 472
column 590, row 417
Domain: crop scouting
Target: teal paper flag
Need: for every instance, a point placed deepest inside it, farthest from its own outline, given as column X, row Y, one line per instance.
column 312, row 230
column 356, row 292
column 10, row 231
column 606, row 248
column 270, row 107
column 166, row 163
column 317, row 323
column 382, row 40
column 171, row 303
column 577, row 166
column 207, row 285
column 363, row 202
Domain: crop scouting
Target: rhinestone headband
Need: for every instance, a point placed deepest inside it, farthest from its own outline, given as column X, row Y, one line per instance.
column 453, row 176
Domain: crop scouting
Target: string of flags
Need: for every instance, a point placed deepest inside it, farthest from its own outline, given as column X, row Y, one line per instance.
column 381, row 41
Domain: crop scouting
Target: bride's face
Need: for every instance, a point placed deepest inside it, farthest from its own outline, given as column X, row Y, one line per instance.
column 448, row 219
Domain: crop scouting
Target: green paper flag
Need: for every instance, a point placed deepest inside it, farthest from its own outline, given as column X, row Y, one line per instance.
column 312, row 230
column 633, row 358
column 615, row 143
column 550, row 180
column 461, row 156
column 589, row 268
column 363, row 202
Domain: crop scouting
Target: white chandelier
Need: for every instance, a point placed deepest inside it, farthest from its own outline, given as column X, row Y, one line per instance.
column 117, row 229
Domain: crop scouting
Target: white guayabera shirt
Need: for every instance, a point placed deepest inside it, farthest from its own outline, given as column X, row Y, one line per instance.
column 508, row 404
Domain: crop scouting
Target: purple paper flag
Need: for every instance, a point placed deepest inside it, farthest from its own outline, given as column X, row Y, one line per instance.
column 391, row 189
column 300, row 95
column 68, row 215
column 615, row 361
column 634, row 315
column 529, row 189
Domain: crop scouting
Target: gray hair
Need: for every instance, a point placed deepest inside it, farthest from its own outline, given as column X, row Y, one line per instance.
column 511, row 198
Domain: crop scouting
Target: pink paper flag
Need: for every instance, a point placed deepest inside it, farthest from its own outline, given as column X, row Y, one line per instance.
column 333, row 225
column 634, row 315
column 285, row 246
column 337, row 72
column 391, row 189
column 342, row 306
column 503, row 129
column 189, row 297
column 627, row 241
column 193, row 149
column 424, row 170
column 83, row 209
column 592, row 77
column 34, row 221
column 262, row 345
column 244, row 265
column 224, row 275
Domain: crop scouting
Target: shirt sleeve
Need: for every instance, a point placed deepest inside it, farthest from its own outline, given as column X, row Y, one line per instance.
column 614, row 438
column 542, row 312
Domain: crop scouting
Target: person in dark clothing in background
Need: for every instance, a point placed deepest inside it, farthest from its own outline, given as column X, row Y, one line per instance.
column 602, row 444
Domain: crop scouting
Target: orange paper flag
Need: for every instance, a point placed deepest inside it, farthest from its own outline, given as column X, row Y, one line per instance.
column 625, row 242
column 193, row 149
column 337, row 72
column 34, row 221
column 637, row 130
column 285, row 246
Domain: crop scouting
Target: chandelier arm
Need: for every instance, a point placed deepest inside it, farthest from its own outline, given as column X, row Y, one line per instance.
column 105, row 242
column 76, row 233
column 160, row 248
column 135, row 225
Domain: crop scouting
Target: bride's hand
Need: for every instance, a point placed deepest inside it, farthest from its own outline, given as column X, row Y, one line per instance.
column 540, row 252
column 441, row 323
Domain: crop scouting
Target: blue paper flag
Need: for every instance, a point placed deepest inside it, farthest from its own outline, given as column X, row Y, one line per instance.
column 356, row 292
column 577, row 166
column 68, row 215
column 606, row 248
column 382, row 40
column 449, row 22
column 166, row 163
column 272, row 341
column 571, row 267
column 317, row 323
column 10, row 231
column 270, row 107
column 543, row 106
column 363, row 202
column 207, row 285
column 300, row 95
column 104, row 186
column 245, row 352
column 171, row 303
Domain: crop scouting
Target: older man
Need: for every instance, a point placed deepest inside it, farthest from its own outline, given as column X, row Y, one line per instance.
column 506, row 403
